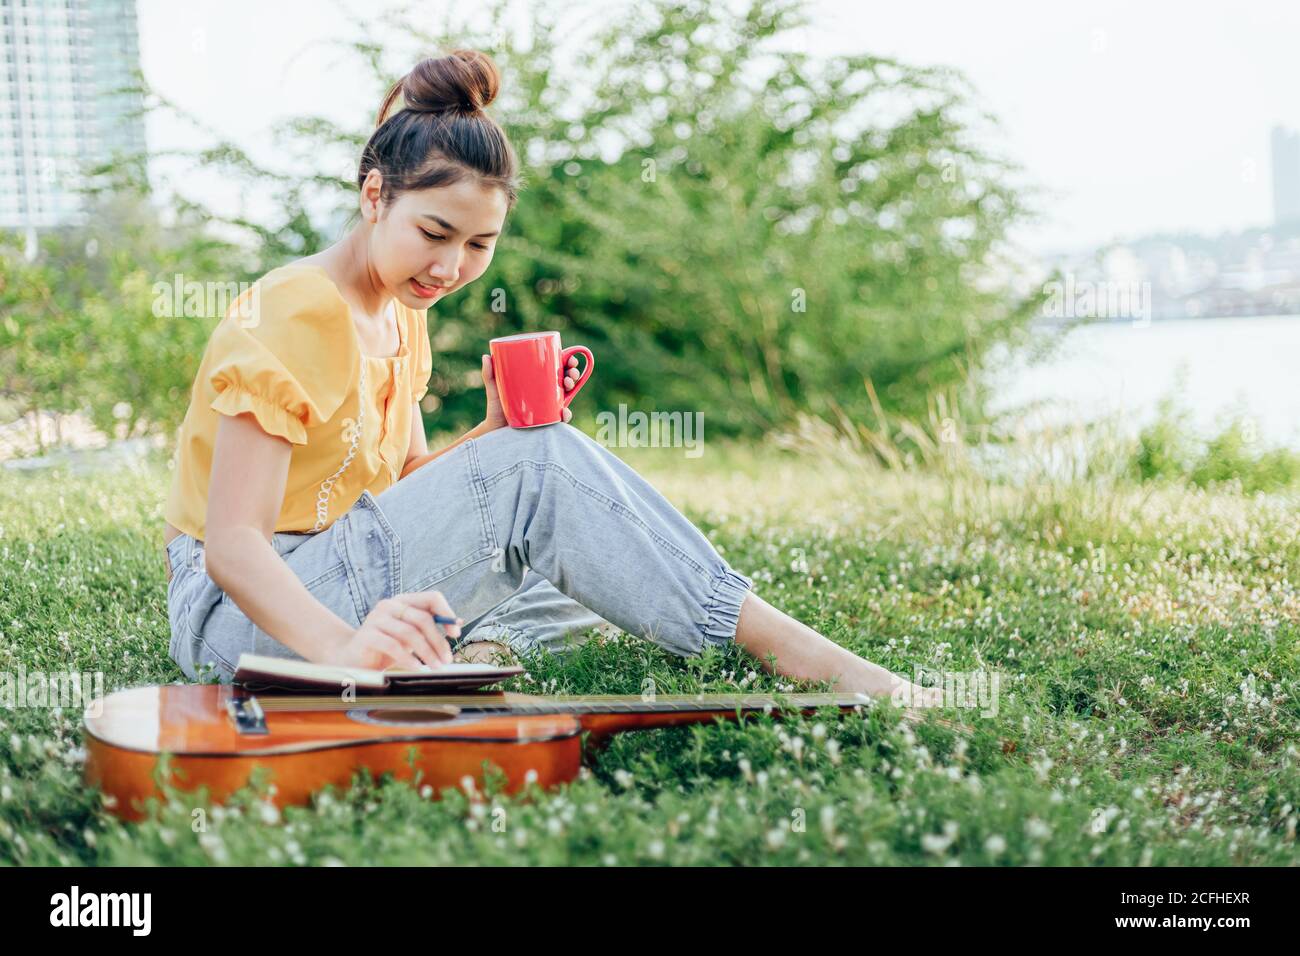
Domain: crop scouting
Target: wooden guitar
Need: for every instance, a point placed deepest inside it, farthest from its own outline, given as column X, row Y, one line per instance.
column 217, row 734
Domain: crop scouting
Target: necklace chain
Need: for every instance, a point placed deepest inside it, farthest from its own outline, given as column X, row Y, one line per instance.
column 327, row 486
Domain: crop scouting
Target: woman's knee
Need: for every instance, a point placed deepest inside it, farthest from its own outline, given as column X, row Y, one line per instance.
column 543, row 442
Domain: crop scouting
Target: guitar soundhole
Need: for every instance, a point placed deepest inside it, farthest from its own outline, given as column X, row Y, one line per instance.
column 398, row 717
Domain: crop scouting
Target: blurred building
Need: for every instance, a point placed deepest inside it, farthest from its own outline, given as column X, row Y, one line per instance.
column 62, row 63
column 1255, row 272
column 1286, row 176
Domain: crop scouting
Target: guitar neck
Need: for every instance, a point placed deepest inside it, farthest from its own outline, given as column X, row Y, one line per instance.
column 578, row 704
column 602, row 714
column 605, row 715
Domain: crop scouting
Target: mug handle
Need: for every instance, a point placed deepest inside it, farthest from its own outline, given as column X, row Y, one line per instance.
column 586, row 373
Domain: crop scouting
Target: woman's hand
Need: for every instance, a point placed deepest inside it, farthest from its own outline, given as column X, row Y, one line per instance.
column 496, row 417
column 399, row 632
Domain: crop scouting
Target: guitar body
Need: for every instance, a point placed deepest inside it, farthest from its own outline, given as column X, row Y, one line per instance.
column 216, row 736
column 307, row 750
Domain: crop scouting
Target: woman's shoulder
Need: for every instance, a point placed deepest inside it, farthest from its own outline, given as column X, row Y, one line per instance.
column 291, row 344
column 300, row 290
column 288, row 306
column 292, row 317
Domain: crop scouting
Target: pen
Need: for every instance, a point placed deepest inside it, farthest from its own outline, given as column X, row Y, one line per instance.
column 444, row 619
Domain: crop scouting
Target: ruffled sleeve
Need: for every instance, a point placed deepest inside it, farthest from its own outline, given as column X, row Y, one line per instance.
column 286, row 353
column 421, row 356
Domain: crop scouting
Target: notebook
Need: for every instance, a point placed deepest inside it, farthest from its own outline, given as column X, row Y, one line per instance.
column 256, row 672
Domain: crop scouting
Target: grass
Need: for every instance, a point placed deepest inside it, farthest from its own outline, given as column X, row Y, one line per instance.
column 1146, row 639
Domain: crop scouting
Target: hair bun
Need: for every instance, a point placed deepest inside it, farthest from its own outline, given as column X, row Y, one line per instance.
column 464, row 80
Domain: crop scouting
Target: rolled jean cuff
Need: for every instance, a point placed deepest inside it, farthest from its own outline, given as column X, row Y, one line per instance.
column 516, row 640
column 729, row 590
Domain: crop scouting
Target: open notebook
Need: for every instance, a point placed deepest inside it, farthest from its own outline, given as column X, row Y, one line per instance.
column 256, row 672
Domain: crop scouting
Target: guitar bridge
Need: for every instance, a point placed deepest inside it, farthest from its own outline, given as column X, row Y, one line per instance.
column 247, row 715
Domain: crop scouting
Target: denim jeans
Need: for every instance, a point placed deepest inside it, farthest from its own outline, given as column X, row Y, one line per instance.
column 534, row 535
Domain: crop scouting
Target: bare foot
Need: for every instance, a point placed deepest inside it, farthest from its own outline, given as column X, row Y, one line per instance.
column 908, row 694
column 801, row 652
column 887, row 687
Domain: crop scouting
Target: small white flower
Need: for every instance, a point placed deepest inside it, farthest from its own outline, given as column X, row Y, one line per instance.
column 1036, row 829
column 934, row 843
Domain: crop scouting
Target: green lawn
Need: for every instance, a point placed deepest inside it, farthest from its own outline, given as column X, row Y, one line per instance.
column 1146, row 641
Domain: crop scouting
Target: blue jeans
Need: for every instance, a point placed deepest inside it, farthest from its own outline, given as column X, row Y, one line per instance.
column 534, row 535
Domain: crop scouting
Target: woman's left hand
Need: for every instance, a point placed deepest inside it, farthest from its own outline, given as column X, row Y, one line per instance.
column 496, row 417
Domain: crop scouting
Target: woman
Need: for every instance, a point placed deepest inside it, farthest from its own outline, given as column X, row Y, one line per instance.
column 308, row 518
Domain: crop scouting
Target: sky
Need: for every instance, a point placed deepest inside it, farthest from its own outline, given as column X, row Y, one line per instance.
column 1130, row 118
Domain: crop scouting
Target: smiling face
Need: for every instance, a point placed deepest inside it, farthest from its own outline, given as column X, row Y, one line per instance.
column 428, row 243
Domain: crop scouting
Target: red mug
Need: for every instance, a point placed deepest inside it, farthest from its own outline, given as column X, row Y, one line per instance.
column 529, row 371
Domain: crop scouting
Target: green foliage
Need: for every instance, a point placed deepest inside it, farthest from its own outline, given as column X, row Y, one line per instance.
column 1232, row 455
column 1164, row 447
column 84, row 329
column 1168, row 450
column 731, row 226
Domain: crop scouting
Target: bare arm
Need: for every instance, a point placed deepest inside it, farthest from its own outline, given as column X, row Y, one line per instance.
column 243, row 504
column 246, row 492
column 417, row 451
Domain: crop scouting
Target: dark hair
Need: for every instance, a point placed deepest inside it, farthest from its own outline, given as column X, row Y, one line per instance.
column 440, row 134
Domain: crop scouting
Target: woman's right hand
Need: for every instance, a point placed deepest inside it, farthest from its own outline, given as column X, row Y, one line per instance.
column 495, row 416
column 399, row 632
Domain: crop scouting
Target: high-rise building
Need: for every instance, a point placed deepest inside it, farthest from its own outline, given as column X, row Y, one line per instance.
column 62, row 63
column 1286, row 176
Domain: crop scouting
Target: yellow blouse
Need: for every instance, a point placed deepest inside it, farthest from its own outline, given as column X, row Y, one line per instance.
column 287, row 352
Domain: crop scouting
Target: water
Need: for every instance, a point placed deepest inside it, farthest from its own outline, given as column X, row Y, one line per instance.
column 1215, row 367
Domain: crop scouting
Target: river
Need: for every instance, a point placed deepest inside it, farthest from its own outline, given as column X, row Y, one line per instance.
column 1216, row 368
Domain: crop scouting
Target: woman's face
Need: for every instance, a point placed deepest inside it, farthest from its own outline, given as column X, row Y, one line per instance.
column 431, row 242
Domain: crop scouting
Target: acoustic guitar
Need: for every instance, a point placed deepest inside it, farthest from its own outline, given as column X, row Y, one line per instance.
column 216, row 735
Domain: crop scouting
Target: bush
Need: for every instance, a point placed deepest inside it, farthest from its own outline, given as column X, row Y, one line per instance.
column 80, row 330
column 1165, row 448
column 1168, row 450
column 1229, row 456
